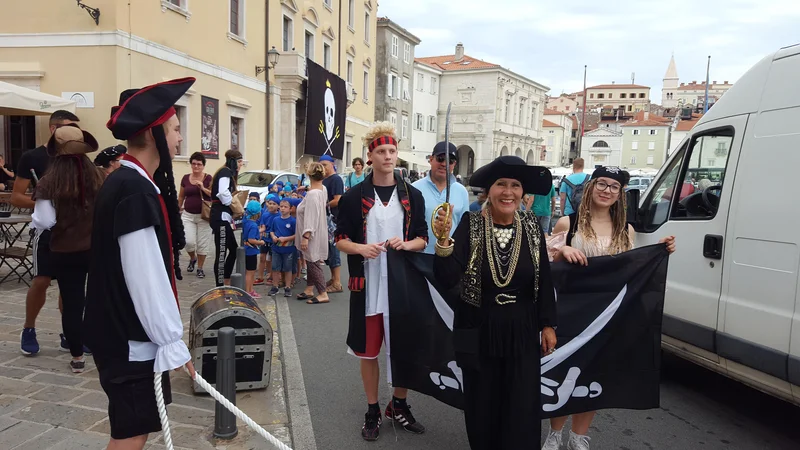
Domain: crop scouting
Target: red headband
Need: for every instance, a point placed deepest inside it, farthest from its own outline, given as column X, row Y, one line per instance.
column 382, row 140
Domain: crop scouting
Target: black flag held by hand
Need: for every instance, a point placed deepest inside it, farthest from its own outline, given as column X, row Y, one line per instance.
column 609, row 333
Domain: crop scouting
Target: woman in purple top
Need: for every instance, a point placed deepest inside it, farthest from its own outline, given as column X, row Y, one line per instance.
column 196, row 188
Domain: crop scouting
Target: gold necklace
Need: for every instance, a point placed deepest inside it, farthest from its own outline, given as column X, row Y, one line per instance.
column 502, row 280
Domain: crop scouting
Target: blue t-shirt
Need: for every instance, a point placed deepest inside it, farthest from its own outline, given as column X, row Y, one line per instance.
column 475, row 206
column 459, row 198
column 541, row 203
column 353, row 179
column 250, row 231
column 282, row 228
column 576, row 179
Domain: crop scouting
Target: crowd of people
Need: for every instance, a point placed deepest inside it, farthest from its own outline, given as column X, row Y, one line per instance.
column 110, row 233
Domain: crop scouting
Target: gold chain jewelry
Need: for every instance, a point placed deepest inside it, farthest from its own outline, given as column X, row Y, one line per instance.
column 502, row 280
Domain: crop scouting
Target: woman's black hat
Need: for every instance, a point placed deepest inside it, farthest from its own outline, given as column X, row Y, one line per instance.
column 104, row 158
column 142, row 109
column 535, row 179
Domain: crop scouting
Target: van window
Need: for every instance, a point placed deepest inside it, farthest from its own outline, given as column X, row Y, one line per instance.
column 700, row 167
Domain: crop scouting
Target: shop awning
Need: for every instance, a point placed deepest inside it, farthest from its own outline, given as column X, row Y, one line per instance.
column 19, row 101
column 415, row 158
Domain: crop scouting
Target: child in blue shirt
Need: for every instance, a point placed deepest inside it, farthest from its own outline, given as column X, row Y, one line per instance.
column 283, row 249
column 269, row 212
column 252, row 240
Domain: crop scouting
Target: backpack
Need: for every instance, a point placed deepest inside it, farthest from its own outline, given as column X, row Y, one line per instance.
column 577, row 192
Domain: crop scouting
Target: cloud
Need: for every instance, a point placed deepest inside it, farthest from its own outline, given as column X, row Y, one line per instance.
column 549, row 42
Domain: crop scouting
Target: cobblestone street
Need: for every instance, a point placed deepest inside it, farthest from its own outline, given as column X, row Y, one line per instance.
column 43, row 405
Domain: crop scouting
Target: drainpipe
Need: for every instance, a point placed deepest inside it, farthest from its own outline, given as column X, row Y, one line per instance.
column 266, row 77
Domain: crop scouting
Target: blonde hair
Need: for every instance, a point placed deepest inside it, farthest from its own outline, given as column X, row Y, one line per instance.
column 620, row 237
column 316, row 171
column 377, row 130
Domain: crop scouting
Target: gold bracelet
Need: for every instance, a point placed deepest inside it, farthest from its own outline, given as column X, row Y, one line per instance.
column 444, row 251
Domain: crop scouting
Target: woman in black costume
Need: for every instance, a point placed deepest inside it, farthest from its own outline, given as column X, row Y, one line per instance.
column 499, row 254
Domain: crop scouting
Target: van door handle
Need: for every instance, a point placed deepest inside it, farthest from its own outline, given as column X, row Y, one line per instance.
column 712, row 246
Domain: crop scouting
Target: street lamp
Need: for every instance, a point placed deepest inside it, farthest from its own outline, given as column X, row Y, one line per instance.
column 273, row 55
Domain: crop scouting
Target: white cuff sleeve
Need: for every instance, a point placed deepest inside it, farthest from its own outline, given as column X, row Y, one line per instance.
column 224, row 192
column 44, row 215
column 153, row 300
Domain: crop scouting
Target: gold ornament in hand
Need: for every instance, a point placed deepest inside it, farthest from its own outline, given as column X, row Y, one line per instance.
column 441, row 221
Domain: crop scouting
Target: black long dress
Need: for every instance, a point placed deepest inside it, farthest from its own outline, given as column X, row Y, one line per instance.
column 497, row 345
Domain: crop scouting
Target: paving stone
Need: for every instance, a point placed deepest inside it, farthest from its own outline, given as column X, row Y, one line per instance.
column 60, row 380
column 72, row 417
column 191, row 416
column 47, row 440
column 82, row 441
column 197, row 401
column 41, row 362
column 13, row 372
column 103, row 427
column 97, row 400
column 11, row 404
column 190, row 437
column 20, row 388
column 21, row 432
column 93, row 385
column 58, row 394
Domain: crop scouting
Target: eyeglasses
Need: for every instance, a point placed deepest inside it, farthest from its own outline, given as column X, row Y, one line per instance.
column 613, row 188
column 441, row 158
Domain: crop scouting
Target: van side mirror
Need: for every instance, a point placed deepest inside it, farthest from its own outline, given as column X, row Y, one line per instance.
column 632, row 213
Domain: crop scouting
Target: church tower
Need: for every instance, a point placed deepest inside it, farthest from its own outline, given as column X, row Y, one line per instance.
column 669, row 87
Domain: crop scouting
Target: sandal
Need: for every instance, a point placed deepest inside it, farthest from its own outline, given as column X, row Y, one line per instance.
column 328, row 283
column 316, row 301
column 304, row 296
column 332, row 289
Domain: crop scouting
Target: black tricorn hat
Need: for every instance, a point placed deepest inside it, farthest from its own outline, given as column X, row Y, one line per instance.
column 535, row 179
column 142, row 109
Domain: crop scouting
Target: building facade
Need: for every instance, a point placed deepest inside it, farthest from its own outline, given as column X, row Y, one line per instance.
column 645, row 141
column 426, row 107
column 565, row 103
column 627, row 98
column 676, row 95
column 557, row 134
column 495, row 111
column 395, row 79
column 56, row 47
column 602, row 147
column 344, row 42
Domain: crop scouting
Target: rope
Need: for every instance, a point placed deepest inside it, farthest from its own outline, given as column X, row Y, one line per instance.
column 162, row 412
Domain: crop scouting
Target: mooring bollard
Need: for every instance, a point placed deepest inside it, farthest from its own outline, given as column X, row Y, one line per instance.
column 241, row 266
column 224, row 420
column 237, row 280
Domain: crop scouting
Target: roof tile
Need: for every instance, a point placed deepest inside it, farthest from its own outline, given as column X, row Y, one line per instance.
column 448, row 63
column 547, row 123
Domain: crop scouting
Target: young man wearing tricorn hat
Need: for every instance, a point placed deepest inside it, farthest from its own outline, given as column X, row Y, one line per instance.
column 132, row 319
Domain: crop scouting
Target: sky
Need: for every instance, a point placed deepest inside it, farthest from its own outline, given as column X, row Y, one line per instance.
column 551, row 41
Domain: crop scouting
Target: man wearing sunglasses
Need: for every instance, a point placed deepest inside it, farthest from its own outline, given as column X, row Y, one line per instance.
column 433, row 188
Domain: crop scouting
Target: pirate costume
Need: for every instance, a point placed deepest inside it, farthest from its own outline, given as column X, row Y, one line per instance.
column 374, row 214
column 132, row 318
column 507, row 300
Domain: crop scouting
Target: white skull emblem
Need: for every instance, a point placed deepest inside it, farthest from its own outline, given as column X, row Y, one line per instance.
column 330, row 113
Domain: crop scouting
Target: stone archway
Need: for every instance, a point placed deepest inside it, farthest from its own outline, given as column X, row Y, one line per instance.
column 529, row 159
column 518, row 152
column 504, row 151
column 466, row 161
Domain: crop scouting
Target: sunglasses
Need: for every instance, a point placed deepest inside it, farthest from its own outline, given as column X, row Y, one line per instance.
column 441, row 158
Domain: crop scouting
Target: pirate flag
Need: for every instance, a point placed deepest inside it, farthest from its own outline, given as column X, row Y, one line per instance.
column 609, row 332
column 326, row 112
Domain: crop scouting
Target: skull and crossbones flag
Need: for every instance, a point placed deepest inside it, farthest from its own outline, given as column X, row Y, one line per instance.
column 326, row 112
column 609, row 332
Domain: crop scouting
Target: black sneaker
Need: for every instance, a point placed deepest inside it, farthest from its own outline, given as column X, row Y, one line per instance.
column 372, row 425
column 404, row 417
column 77, row 366
column 192, row 263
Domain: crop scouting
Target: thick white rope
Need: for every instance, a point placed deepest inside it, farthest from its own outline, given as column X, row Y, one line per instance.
column 162, row 412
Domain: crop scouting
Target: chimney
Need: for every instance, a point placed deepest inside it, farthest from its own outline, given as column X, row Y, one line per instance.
column 613, row 82
column 694, row 81
column 682, row 84
column 714, row 82
column 459, row 51
column 725, row 82
column 646, row 115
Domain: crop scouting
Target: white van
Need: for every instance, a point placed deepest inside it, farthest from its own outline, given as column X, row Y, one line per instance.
column 732, row 301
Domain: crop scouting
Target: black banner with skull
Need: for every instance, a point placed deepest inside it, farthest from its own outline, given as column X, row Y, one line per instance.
column 326, row 112
column 609, row 332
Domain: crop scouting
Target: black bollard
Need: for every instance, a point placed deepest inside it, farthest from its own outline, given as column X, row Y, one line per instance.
column 240, row 266
column 237, row 280
column 224, row 420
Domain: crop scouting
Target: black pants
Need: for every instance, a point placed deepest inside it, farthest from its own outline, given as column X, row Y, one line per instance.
column 502, row 403
column 224, row 242
column 70, row 270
